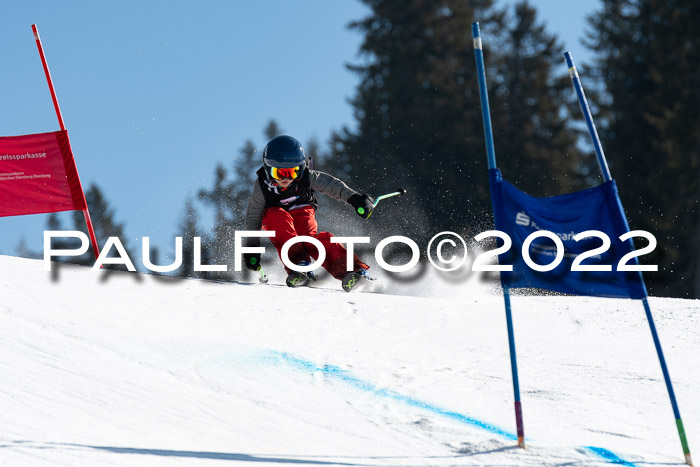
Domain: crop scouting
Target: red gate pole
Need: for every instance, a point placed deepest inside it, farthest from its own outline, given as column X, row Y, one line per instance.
column 86, row 212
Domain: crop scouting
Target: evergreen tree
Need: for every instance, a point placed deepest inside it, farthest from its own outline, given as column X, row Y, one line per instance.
column 220, row 198
column 189, row 229
column 271, row 130
column 419, row 116
column 535, row 143
column 647, row 55
column 313, row 152
column 417, row 112
column 229, row 198
column 244, row 175
column 104, row 223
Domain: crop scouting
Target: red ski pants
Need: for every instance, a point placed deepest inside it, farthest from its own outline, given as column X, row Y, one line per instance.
column 302, row 221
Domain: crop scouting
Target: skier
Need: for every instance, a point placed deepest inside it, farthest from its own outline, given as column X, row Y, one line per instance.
column 284, row 201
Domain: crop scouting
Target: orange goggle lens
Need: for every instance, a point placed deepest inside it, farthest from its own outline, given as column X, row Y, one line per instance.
column 291, row 173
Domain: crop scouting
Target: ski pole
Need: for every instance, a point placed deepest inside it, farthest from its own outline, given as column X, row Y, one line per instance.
column 399, row 192
column 263, row 277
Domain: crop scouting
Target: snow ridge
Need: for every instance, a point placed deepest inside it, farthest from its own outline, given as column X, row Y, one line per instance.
column 104, row 368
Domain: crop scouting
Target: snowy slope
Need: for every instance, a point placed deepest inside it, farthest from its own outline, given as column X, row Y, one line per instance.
column 117, row 369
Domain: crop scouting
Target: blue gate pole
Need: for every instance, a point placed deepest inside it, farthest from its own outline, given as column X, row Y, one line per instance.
column 602, row 162
column 491, row 155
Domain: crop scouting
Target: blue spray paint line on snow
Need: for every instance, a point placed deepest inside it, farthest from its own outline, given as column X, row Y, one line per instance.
column 338, row 373
column 344, row 376
column 609, row 456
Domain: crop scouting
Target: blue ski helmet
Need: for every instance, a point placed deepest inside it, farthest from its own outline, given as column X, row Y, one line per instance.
column 284, row 157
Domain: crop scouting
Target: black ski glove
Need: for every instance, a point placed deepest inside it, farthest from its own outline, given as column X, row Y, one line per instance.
column 252, row 261
column 362, row 204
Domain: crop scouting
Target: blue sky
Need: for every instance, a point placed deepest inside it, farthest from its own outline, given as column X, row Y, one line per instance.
column 155, row 93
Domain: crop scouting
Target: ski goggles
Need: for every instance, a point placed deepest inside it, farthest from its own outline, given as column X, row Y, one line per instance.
column 290, row 173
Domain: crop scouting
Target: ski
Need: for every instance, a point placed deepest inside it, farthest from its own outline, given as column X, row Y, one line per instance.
column 355, row 281
column 297, row 279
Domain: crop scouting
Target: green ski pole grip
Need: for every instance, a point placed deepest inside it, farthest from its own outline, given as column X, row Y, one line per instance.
column 399, row 192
